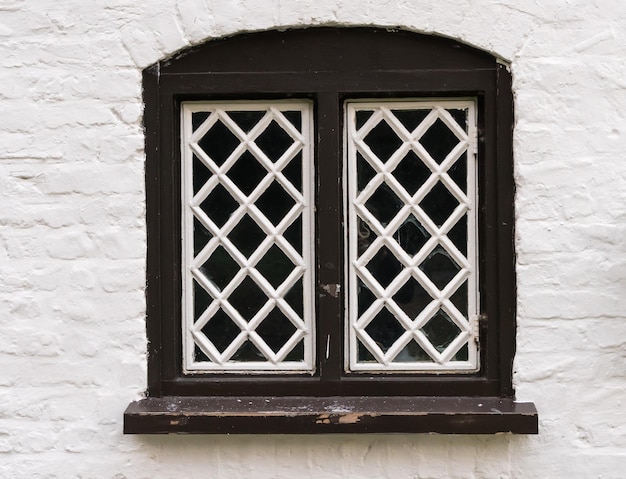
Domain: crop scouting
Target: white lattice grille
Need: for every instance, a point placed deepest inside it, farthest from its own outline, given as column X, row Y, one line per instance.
column 247, row 226
column 412, row 236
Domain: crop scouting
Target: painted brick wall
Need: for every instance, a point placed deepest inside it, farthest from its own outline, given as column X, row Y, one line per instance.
column 72, row 240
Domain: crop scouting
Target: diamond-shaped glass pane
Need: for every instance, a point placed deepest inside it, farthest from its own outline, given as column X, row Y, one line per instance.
column 293, row 171
column 362, row 116
column 365, row 236
column 384, row 329
column 219, row 205
column 294, row 298
column 198, row 354
column 439, row 140
column 198, row 118
column 219, row 142
column 460, row 116
column 458, row 172
column 274, row 141
column 411, row 119
column 384, row 266
column 248, row 298
column 200, row 237
column 246, row 236
column 275, row 266
column 364, row 172
column 275, row 202
column 365, row 297
column 383, row 141
column 246, row 120
column 276, row 329
column 411, row 172
column 459, row 299
column 247, row 173
column 295, row 118
column 462, row 354
column 412, row 298
column 413, row 352
column 440, row 267
column 220, row 268
column 293, row 234
column 411, row 235
column 248, row 352
column 201, row 300
column 364, row 354
column 297, row 353
column 201, row 174
column 441, row 331
column 439, row 204
column 458, row 235
column 384, row 204
column 221, row 330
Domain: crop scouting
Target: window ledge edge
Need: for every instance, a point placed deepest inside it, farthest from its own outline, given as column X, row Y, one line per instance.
column 325, row 415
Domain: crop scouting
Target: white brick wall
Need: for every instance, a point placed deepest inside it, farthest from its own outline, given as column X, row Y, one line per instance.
column 72, row 240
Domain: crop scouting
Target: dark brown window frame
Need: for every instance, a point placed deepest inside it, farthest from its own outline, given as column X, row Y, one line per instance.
column 330, row 66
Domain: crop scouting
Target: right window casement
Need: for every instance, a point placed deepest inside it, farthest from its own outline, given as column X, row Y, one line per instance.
column 412, row 299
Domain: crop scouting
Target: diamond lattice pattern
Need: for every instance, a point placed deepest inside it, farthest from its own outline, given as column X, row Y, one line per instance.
column 412, row 246
column 247, row 230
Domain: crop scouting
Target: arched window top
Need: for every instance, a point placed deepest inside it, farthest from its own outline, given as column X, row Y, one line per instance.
column 329, row 49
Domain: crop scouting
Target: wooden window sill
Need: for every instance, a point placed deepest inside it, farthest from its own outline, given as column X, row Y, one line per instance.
column 316, row 415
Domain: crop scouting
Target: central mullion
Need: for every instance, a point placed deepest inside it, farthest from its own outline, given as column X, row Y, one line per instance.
column 330, row 236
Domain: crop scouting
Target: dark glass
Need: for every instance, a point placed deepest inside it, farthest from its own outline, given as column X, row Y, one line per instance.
column 364, row 355
column 439, row 140
column 221, row 330
column 293, row 171
column 411, row 172
column 248, row 298
column 293, row 234
column 458, row 172
column 219, row 205
column 384, row 204
column 200, row 237
column 246, row 120
column 297, row 353
column 276, row 329
column 412, row 298
column 362, row 116
column 247, row 236
column 293, row 297
column 365, row 236
column 247, row 173
column 412, row 352
column 220, row 268
column 384, row 266
column 439, row 267
column 248, row 352
column 383, row 141
column 458, row 235
column 384, row 329
column 462, row 354
column 275, row 266
column 365, row 297
column 218, row 143
column 201, row 174
column 441, row 331
column 198, row 355
column 439, row 204
column 411, row 235
column 295, row 118
column 198, row 118
column 201, row 300
column 459, row 299
column 411, row 118
column 274, row 141
column 275, row 202
column 364, row 172
column 460, row 116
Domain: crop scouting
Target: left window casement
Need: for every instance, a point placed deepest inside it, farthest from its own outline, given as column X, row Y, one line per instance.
column 247, row 226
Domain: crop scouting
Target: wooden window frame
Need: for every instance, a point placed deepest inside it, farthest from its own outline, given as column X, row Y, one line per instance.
column 329, row 66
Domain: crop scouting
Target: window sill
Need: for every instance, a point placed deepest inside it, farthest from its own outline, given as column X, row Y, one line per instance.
column 314, row 415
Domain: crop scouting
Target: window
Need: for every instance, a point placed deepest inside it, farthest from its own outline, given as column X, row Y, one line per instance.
column 330, row 219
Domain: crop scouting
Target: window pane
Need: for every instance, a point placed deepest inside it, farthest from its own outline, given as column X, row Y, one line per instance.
column 247, row 277
column 412, row 286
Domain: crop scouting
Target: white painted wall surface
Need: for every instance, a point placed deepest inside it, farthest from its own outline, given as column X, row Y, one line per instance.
column 72, row 240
